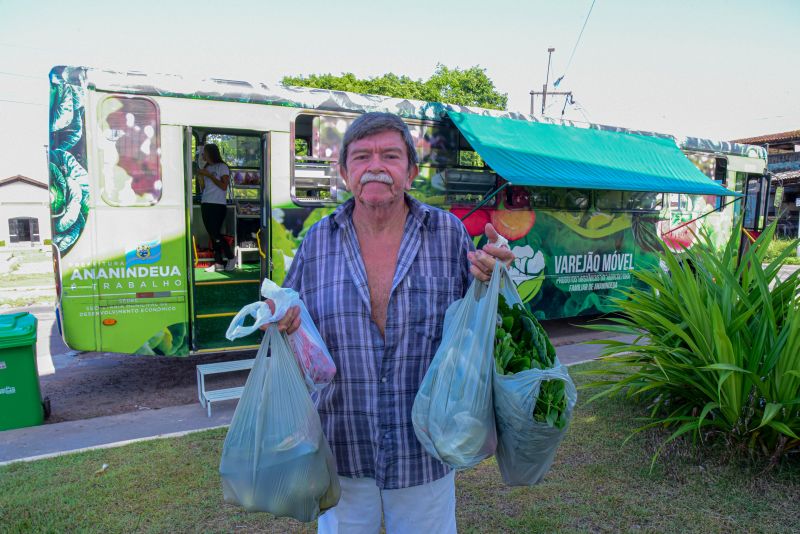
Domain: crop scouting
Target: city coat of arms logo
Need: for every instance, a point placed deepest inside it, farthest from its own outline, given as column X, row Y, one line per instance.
column 144, row 253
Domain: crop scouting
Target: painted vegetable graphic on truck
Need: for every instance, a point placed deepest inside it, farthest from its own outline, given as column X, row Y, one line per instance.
column 69, row 181
column 513, row 224
column 527, row 271
column 593, row 225
column 169, row 341
column 476, row 222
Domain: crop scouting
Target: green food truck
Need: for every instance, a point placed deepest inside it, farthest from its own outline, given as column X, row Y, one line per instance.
column 583, row 205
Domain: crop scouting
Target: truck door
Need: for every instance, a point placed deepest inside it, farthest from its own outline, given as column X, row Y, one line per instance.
column 217, row 296
column 754, row 209
column 139, row 270
column 755, row 203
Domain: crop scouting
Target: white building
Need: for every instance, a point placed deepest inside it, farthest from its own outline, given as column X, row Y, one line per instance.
column 24, row 211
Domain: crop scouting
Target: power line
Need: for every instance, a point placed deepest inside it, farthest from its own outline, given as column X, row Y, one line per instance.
column 574, row 48
column 25, row 46
column 774, row 117
column 23, row 75
column 21, row 102
column 576, row 106
column 581, row 110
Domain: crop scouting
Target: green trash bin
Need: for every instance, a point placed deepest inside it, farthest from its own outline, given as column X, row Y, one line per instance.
column 20, row 396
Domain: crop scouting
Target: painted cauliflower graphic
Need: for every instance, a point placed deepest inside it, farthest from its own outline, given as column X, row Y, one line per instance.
column 527, row 271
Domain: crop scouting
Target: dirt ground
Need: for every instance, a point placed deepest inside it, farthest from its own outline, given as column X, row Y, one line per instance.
column 92, row 384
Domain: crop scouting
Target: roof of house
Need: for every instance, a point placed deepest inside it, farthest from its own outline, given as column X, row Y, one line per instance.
column 786, row 177
column 23, row 179
column 771, row 138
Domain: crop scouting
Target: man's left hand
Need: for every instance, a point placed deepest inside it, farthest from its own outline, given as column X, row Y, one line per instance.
column 483, row 260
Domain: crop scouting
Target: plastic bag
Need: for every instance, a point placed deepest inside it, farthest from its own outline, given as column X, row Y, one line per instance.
column 307, row 345
column 452, row 414
column 275, row 458
column 526, row 448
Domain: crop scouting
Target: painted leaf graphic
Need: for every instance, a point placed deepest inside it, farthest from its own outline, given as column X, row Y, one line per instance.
column 62, row 112
column 529, row 288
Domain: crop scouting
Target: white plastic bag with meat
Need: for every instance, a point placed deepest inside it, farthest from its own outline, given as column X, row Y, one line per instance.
column 309, row 349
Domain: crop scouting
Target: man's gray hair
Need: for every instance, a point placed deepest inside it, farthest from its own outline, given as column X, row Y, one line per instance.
column 374, row 123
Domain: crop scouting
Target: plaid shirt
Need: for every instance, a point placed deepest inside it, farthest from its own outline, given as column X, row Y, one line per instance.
column 366, row 410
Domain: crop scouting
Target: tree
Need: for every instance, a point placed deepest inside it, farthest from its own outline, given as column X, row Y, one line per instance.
column 469, row 87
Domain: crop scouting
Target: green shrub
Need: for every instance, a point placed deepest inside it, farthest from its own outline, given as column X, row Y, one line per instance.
column 776, row 248
column 717, row 352
column 2, row 243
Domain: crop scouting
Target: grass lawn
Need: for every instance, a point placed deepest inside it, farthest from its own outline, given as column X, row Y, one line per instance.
column 595, row 485
column 26, row 302
column 27, row 280
column 30, row 254
column 22, row 299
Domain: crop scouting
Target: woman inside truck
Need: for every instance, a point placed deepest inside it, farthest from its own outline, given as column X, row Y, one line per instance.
column 214, row 180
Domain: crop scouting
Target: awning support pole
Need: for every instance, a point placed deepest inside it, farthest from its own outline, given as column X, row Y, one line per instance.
column 485, row 200
column 703, row 215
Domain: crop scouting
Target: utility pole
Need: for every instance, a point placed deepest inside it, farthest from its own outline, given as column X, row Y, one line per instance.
column 547, row 77
column 544, row 92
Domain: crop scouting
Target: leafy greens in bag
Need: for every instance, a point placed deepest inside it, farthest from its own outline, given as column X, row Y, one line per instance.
column 533, row 393
column 522, row 344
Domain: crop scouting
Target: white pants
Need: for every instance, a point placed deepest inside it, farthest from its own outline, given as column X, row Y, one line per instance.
column 426, row 509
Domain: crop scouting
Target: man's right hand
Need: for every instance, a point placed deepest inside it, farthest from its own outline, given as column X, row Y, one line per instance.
column 289, row 323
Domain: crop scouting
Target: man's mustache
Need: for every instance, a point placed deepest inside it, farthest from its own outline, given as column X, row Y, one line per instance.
column 383, row 178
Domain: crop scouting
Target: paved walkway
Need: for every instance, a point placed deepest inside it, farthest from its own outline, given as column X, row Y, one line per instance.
column 786, row 270
column 34, row 443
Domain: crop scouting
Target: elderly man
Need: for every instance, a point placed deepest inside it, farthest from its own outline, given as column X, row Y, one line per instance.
column 377, row 276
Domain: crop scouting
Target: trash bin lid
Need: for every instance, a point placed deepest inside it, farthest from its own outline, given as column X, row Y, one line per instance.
column 17, row 329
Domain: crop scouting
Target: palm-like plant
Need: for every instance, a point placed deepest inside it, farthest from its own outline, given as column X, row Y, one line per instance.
column 717, row 348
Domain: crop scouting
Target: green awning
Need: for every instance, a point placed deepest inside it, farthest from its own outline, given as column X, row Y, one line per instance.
column 551, row 155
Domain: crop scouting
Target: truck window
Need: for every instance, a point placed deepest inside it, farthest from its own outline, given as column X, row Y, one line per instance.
column 678, row 202
column 751, row 202
column 626, row 200
column 315, row 176
column 129, row 149
column 468, row 187
column 242, row 155
column 559, row 198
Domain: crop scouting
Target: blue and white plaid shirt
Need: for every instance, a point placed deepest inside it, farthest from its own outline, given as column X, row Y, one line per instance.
column 366, row 410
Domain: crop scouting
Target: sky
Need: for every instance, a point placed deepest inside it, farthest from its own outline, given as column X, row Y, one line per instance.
column 721, row 69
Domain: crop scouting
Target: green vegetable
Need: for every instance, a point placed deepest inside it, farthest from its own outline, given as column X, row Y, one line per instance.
column 170, row 341
column 522, row 344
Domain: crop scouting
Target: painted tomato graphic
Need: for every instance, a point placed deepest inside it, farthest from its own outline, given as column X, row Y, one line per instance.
column 513, row 224
column 475, row 223
column 678, row 236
